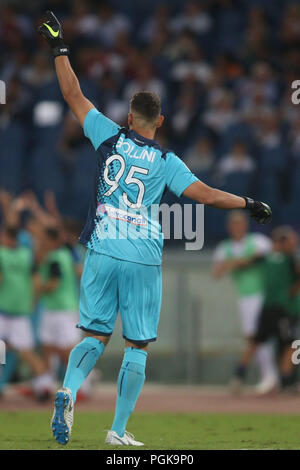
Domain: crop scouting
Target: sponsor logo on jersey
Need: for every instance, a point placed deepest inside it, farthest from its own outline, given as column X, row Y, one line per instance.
column 120, row 214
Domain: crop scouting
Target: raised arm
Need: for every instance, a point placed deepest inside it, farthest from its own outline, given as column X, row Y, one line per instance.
column 71, row 90
column 204, row 194
column 69, row 85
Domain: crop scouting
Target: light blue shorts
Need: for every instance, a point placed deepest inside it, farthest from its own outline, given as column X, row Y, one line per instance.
column 109, row 285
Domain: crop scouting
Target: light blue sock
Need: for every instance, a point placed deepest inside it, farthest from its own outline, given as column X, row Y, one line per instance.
column 130, row 383
column 82, row 359
column 8, row 369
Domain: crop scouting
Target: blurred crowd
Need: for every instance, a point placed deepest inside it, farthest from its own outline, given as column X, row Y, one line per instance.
column 40, row 266
column 223, row 68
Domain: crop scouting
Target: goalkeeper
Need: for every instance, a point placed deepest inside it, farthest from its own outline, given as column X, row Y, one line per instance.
column 122, row 268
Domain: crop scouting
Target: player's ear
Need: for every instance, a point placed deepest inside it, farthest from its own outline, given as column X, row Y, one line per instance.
column 160, row 121
column 130, row 119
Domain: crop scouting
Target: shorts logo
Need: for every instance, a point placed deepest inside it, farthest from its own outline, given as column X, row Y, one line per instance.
column 119, row 214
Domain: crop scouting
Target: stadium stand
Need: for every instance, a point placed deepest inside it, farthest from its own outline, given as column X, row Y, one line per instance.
column 222, row 67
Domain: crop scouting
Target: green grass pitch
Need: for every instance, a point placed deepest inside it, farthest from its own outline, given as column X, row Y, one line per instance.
column 31, row 430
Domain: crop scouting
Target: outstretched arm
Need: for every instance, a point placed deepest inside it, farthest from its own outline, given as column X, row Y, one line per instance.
column 204, row 194
column 180, row 180
column 69, row 85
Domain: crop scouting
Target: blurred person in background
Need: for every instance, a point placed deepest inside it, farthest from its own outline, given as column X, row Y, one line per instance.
column 42, row 221
column 80, row 21
column 262, row 81
column 71, row 138
column 110, row 24
column 192, row 65
column 290, row 32
column 144, row 79
column 194, row 18
column 294, row 138
column 16, row 306
column 184, row 116
column 182, row 46
column 220, row 114
column 56, row 287
column 290, row 247
column 270, row 139
column 39, row 72
column 31, row 239
column 237, row 160
column 72, row 231
column 281, row 306
column 155, row 24
column 200, row 156
column 256, row 37
column 239, row 256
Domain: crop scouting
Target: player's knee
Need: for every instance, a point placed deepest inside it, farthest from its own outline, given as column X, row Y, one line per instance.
column 102, row 339
column 139, row 345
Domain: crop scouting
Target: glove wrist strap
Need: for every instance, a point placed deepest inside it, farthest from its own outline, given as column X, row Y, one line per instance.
column 249, row 203
column 61, row 50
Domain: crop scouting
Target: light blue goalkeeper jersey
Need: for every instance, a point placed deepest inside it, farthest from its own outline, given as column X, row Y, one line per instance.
column 132, row 174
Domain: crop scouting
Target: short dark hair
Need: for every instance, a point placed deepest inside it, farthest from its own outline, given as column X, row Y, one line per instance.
column 146, row 104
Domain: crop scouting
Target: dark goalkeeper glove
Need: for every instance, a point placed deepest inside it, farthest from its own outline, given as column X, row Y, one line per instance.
column 52, row 32
column 259, row 211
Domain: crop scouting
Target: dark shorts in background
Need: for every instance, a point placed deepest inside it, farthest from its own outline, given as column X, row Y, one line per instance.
column 275, row 321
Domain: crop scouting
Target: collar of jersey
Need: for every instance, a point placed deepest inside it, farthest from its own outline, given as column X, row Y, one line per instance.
column 140, row 140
